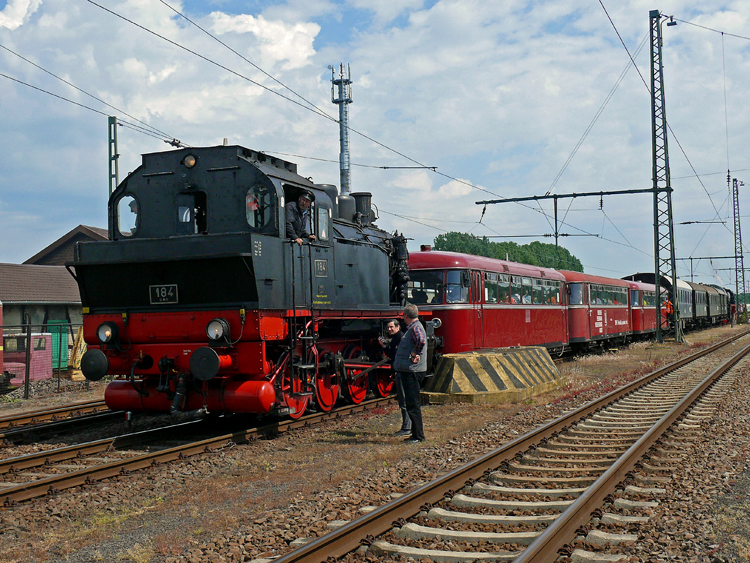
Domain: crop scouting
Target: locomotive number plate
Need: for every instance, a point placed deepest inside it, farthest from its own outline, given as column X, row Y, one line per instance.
column 163, row 293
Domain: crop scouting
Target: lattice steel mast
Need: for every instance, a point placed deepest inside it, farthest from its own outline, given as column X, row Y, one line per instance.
column 739, row 262
column 664, row 255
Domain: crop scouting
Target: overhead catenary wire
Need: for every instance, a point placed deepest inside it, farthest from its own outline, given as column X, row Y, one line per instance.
column 84, row 106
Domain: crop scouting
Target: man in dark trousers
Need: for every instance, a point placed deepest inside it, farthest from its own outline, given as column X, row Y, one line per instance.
column 393, row 328
column 411, row 365
column 298, row 218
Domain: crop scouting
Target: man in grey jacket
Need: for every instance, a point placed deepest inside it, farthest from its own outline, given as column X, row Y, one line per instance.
column 411, row 365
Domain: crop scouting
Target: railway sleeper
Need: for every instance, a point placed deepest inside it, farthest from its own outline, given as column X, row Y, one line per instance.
column 583, row 556
column 383, row 548
column 417, row 532
column 465, row 501
column 523, row 479
column 497, row 519
column 482, row 488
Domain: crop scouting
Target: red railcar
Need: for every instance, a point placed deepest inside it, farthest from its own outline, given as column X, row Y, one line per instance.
column 2, row 367
column 642, row 308
column 598, row 308
column 487, row 303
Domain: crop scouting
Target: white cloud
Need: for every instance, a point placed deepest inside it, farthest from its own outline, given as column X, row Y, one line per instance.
column 16, row 12
column 278, row 41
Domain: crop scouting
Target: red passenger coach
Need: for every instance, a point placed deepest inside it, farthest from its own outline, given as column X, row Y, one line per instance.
column 598, row 308
column 487, row 303
column 642, row 308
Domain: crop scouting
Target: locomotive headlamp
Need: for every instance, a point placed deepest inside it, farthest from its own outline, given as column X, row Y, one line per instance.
column 107, row 333
column 437, row 323
column 218, row 329
column 189, row 161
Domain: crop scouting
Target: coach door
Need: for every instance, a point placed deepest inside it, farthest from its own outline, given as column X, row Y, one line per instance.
column 476, row 304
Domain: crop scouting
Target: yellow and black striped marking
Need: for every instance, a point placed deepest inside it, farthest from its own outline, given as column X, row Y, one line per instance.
column 489, row 376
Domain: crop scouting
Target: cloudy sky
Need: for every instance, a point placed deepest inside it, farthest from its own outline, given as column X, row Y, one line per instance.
column 496, row 95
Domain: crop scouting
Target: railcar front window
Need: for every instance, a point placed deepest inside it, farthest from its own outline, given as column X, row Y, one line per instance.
column 127, row 215
column 425, row 286
column 455, row 291
column 634, row 298
column 576, row 293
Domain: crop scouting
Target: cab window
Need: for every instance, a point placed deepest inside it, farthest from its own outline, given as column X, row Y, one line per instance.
column 260, row 207
column 191, row 213
column 323, row 220
column 127, row 215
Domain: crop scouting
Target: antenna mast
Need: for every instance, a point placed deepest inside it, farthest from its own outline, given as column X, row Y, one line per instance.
column 343, row 98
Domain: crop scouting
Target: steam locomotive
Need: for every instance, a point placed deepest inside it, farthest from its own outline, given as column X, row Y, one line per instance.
column 206, row 305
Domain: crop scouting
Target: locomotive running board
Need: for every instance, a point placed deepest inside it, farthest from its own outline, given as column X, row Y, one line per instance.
column 502, row 375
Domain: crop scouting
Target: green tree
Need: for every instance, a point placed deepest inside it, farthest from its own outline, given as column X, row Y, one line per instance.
column 535, row 253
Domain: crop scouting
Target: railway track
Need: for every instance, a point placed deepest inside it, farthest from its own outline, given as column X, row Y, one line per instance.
column 545, row 494
column 48, row 472
column 52, row 414
column 36, row 425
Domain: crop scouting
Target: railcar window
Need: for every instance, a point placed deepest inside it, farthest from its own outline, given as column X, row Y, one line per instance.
column 515, row 290
column 425, row 286
column 537, row 296
column 14, row 345
column 526, row 296
column 260, row 207
column 490, row 288
column 554, row 297
column 503, row 287
column 576, row 293
column 127, row 215
column 634, row 301
column 455, row 291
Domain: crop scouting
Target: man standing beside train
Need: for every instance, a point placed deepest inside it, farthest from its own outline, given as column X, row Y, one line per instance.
column 393, row 328
column 298, row 218
column 411, row 365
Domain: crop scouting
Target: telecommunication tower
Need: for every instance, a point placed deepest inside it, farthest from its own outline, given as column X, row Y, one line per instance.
column 341, row 95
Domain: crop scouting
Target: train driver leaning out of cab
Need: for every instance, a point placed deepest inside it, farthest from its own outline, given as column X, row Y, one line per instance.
column 298, row 218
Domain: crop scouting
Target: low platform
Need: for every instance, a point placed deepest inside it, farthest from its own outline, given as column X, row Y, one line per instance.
column 502, row 375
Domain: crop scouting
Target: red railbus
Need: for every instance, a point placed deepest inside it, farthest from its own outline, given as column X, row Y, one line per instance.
column 488, row 303
column 598, row 308
column 642, row 308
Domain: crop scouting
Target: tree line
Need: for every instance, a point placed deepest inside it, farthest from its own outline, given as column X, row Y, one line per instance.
column 534, row 253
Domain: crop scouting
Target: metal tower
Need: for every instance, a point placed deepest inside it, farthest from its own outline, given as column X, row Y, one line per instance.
column 342, row 99
column 739, row 263
column 664, row 256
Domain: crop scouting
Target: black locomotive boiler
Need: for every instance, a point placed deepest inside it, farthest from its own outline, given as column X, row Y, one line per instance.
column 200, row 301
